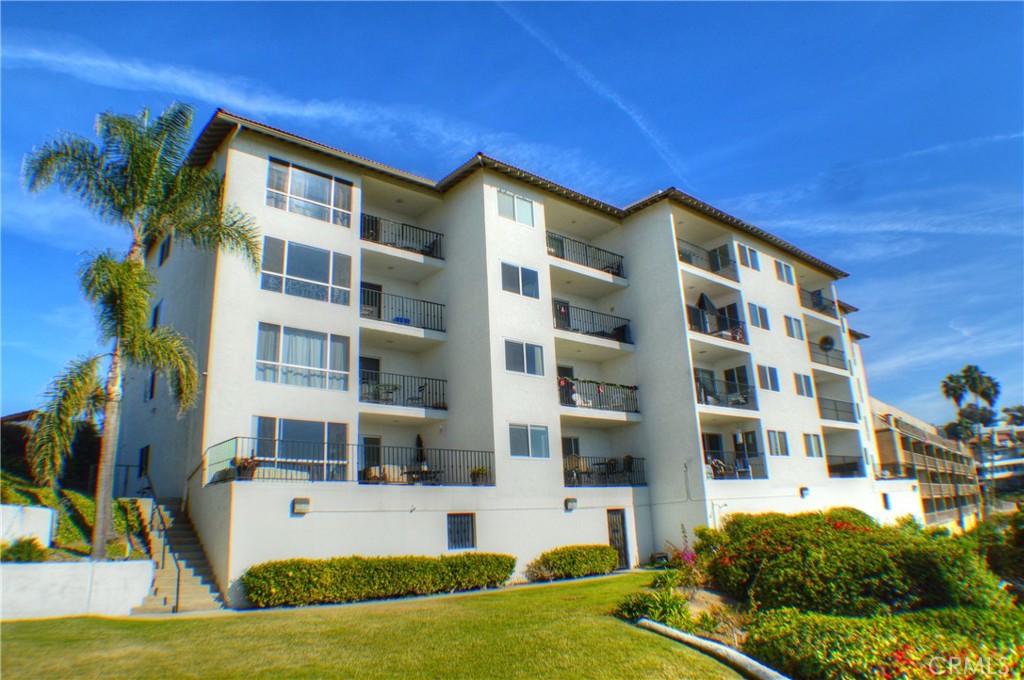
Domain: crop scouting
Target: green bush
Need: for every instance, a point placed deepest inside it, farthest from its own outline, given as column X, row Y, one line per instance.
column 573, row 561
column 852, row 517
column 821, row 647
column 352, row 579
column 23, row 550
column 664, row 606
column 676, row 578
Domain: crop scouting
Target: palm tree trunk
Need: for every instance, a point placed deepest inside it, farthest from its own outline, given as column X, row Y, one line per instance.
column 103, row 526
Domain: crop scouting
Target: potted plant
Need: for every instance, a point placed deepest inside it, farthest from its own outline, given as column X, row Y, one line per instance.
column 478, row 475
column 244, row 467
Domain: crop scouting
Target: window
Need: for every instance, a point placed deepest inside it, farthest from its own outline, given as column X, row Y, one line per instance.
column 165, row 250
column 804, row 385
column 768, row 378
column 794, row 328
column 309, row 193
column 515, row 208
column 758, row 316
column 150, row 387
column 303, row 271
column 291, row 356
column 812, row 446
column 522, row 357
column 309, row 441
column 154, row 320
column 783, row 272
column 461, row 531
column 778, row 443
column 885, row 501
column 144, row 461
column 520, row 280
column 748, row 257
column 528, row 441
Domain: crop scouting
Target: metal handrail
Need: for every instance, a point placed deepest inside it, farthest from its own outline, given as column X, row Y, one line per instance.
column 835, row 358
column 402, row 390
column 833, row 409
column 157, row 513
column 692, row 254
column 404, row 236
column 717, row 325
column 401, row 310
column 588, row 322
column 816, row 300
column 571, row 250
column 603, row 471
column 579, row 392
column 725, row 393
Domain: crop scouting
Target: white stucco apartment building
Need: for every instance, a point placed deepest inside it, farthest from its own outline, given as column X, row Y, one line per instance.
column 491, row 362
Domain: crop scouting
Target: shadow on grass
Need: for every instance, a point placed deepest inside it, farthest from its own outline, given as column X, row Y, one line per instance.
column 75, row 516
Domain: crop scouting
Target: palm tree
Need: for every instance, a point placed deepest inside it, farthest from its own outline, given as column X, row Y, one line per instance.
column 1014, row 415
column 971, row 380
column 954, row 388
column 136, row 179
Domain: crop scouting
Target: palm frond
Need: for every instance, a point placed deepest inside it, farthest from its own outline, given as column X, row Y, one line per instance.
column 121, row 291
column 77, row 166
column 954, row 388
column 165, row 350
column 74, row 395
column 174, row 128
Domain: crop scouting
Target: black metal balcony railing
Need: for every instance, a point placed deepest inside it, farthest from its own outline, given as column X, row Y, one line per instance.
column 411, row 465
column 577, row 320
column 832, row 409
column 570, row 249
column 717, row 325
column 582, row 393
column 404, row 236
column 256, row 459
column 603, row 471
column 402, row 390
column 895, row 471
column 835, row 357
column 401, row 310
column 713, row 261
column 734, row 465
column 730, row 394
column 845, row 466
column 816, row 300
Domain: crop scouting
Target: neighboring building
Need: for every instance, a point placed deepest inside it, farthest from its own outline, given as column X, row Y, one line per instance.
column 909, row 448
column 491, row 362
column 1001, row 459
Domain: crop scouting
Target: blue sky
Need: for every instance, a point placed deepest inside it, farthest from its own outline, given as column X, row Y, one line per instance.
column 885, row 138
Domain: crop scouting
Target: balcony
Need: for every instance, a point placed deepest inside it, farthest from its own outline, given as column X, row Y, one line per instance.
column 895, row 471
column 587, row 322
column 734, row 465
column 581, row 393
column 835, row 358
column 727, row 394
column 815, row 300
column 402, row 236
column 603, row 471
column 578, row 252
column 401, row 310
column 832, row 409
column 391, row 389
column 845, row 466
column 252, row 459
column 716, row 325
column 711, row 261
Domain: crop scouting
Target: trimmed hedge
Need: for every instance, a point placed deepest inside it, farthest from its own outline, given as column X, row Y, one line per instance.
column 23, row 550
column 573, row 561
column 841, row 563
column 300, row 582
column 821, row 647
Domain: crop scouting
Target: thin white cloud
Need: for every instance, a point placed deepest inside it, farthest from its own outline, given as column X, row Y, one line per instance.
column 603, row 90
column 954, row 146
column 451, row 138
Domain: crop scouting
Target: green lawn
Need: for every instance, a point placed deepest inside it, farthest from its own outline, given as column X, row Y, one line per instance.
column 560, row 631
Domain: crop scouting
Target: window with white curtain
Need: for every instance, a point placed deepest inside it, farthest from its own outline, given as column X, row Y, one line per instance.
column 309, row 193
column 292, row 356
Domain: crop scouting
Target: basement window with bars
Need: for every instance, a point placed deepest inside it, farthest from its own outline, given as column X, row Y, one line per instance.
column 309, row 193
column 461, row 531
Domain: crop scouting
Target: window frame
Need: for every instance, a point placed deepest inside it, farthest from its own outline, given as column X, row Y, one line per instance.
column 784, row 273
column 520, row 283
column 804, row 385
column 778, row 443
column 768, row 378
column 813, row 446
column 749, row 257
column 471, row 530
column 329, row 374
column 344, row 292
column 330, row 205
column 794, row 328
column 516, row 198
column 758, row 315
column 530, row 430
column 525, row 357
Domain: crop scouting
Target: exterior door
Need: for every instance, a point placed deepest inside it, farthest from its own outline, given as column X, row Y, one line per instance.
column 562, row 314
column 617, row 536
column 371, row 295
column 566, row 382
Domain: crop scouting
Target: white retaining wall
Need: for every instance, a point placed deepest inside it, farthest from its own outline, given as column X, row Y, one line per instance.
column 54, row 589
column 20, row 521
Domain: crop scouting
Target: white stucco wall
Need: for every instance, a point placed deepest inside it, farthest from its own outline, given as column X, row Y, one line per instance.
column 53, row 590
column 21, row 521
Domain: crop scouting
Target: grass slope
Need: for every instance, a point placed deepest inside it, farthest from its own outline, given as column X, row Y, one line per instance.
column 76, row 513
column 559, row 631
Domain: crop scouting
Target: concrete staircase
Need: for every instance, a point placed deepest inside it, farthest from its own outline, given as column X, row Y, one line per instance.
column 198, row 590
